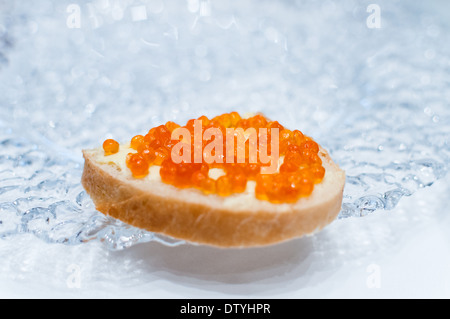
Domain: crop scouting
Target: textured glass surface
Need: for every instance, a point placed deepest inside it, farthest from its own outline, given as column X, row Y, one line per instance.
column 73, row 74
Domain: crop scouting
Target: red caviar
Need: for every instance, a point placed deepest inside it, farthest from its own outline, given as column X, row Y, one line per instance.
column 110, row 146
column 300, row 170
column 137, row 164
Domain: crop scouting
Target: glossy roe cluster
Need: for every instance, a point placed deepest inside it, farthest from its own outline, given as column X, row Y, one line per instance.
column 300, row 170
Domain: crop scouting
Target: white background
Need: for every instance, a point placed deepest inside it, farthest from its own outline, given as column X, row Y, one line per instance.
column 292, row 60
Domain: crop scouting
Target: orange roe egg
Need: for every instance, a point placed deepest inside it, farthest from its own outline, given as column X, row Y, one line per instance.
column 208, row 186
column 225, row 120
column 204, row 119
column 197, row 178
column 161, row 153
column 137, row 141
column 171, row 126
column 298, row 137
column 168, row 171
column 238, row 182
column 275, row 124
column 317, row 172
column 138, row 165
column 110, row 146
column 288, row 167
column 244, row 123
column 252, row 170
column 300, row 170
column 224, row 186
column 235, row 118
column 147, row 153
column 257, row 121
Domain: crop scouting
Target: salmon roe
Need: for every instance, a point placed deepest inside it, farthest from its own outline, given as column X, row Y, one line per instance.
column 300, row 170
column 110, row 146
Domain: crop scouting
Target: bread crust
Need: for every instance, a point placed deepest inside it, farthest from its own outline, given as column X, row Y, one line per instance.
column 210, row 219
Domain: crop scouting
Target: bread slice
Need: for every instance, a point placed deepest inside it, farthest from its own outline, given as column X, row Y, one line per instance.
column 239, row 220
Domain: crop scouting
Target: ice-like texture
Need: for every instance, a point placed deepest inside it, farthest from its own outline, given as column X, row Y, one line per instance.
column 74, row 73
